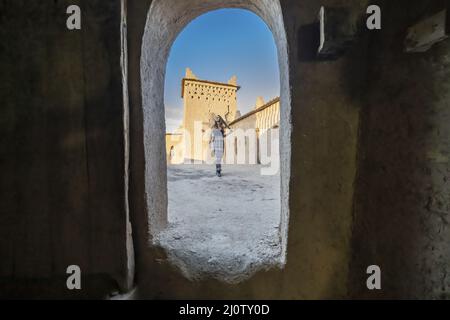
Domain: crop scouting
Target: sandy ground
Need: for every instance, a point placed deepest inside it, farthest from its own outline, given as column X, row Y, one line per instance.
column 224, row 228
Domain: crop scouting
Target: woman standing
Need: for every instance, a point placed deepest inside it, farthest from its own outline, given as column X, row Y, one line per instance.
column 217, row 143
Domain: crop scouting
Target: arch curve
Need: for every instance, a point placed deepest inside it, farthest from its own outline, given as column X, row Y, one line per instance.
column 165, row 20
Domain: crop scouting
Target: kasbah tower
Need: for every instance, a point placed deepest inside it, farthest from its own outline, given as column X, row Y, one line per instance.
column 202, row 100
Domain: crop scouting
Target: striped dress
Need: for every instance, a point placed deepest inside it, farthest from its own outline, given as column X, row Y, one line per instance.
column 217, row 144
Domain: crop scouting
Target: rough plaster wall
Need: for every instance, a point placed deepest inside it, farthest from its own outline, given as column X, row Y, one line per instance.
column 403, row 200
column 137, row 17
column 61, row 148
column 326, row 100
column 325, row 113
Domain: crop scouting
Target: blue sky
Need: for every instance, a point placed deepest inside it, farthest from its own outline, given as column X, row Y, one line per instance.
column 216, row 46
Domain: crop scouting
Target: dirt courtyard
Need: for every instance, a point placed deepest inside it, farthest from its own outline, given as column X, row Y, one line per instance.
column 224, row 228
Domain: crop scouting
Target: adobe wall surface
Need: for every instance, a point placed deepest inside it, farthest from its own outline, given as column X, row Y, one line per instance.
column 62, row 187
column 403, row 198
